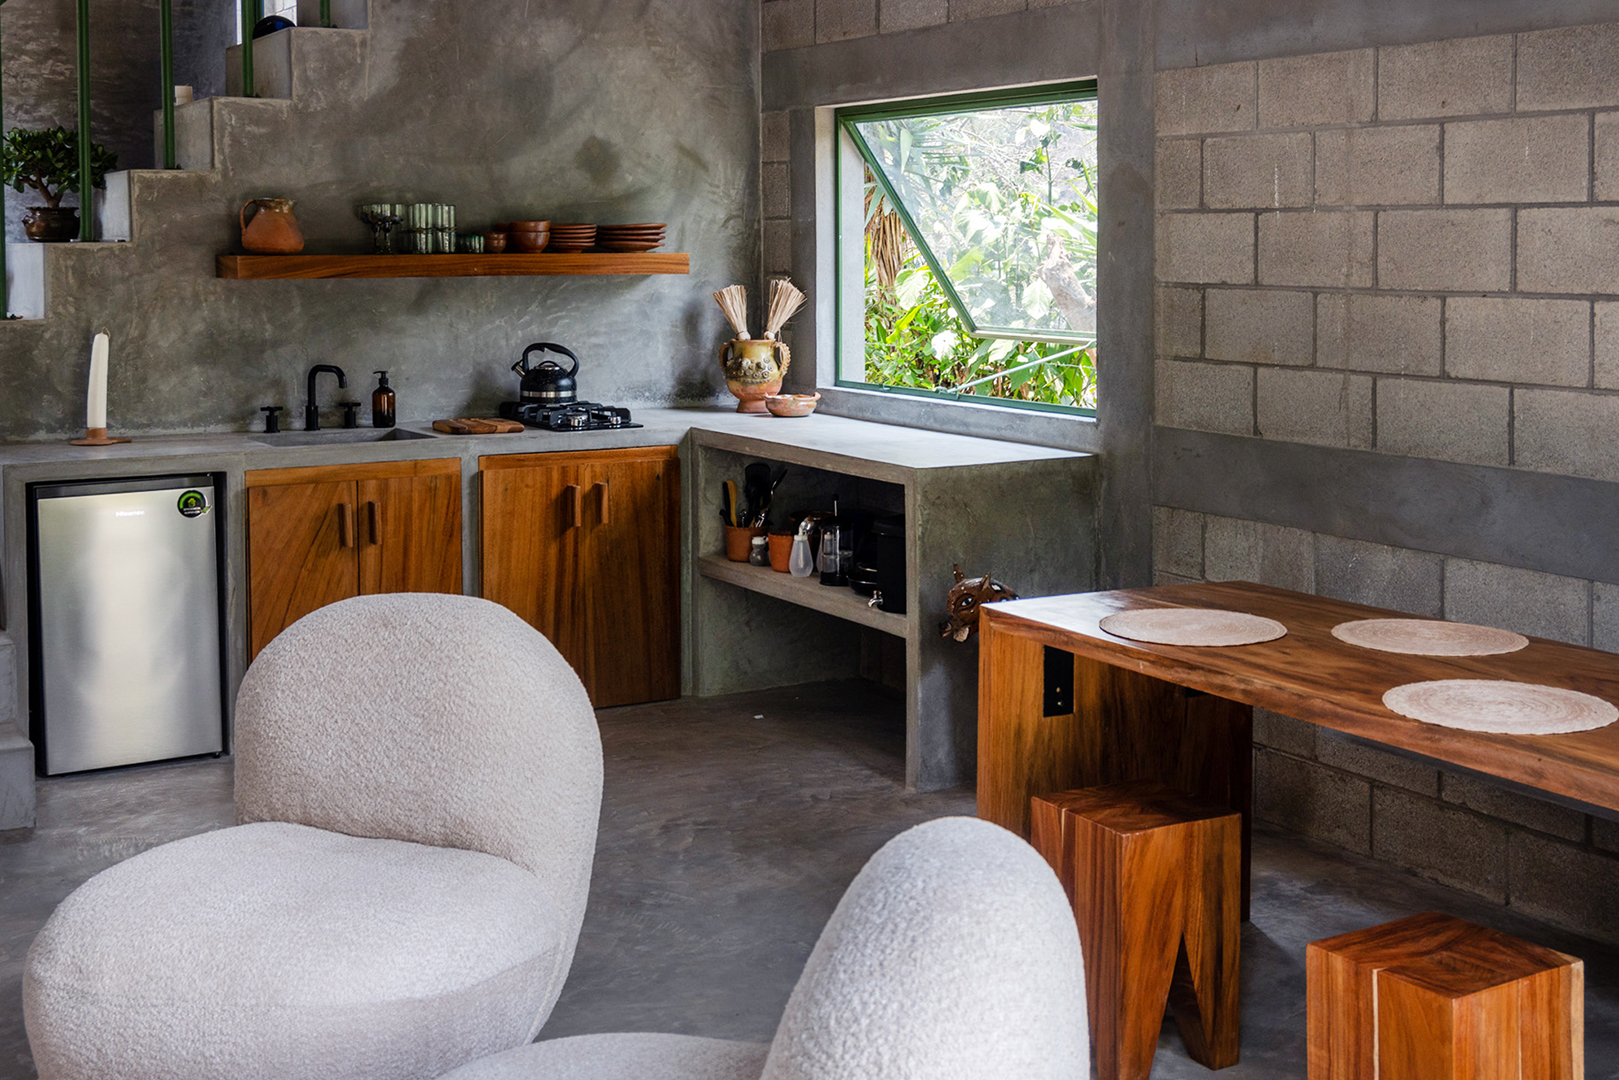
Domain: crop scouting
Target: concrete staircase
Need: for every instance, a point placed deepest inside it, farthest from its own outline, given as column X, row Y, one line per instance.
column 155, row 222
column 319, row 67
column 16, row 752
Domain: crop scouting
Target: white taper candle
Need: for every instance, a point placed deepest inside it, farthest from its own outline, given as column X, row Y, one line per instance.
column 95, row 413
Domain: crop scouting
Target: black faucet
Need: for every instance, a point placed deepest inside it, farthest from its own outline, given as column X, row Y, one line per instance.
column 311, row 409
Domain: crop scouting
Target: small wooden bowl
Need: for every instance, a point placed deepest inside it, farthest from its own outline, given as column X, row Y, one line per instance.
column 529, row 243
column 494, row 243
column 792, row 404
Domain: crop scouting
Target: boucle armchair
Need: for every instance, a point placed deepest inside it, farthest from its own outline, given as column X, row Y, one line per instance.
column 952, row 956
column 418, row 783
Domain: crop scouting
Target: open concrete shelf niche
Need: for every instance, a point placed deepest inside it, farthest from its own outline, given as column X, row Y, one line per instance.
column 1027, row 516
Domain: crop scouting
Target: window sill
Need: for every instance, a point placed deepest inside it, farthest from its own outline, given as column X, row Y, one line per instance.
column 1065, row 430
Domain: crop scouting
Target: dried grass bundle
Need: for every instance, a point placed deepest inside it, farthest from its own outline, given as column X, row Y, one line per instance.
column 733, row 300
column 785, row 300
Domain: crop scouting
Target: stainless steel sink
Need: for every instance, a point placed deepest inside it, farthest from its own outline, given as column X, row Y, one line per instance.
column 341, row 437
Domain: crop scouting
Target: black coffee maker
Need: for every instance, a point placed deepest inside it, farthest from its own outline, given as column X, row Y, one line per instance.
column 879, row 563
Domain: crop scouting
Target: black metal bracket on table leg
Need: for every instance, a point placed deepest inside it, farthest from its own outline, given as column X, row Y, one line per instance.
column 1059, row 682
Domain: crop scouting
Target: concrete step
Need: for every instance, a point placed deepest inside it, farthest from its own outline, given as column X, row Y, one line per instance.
column 16, row 752
column 193, row 134
column 310, row 64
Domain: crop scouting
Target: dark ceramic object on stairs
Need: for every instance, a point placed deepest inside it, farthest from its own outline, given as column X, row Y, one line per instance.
column 51, row 224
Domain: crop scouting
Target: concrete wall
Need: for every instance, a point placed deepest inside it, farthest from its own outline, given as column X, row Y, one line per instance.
column 1377, row 364
column 624, row 110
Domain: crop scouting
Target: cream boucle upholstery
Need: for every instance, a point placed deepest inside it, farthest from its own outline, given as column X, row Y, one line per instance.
column 204, row 948
column 952, row 956
column 419, row 779
column 637, row 1056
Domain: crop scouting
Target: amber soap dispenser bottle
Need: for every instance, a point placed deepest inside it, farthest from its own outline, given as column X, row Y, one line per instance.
column 382, row 402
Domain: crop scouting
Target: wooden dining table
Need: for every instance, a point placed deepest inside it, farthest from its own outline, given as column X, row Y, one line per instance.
column 1064, row 704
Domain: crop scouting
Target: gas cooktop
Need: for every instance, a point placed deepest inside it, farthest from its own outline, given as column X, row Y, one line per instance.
column 580, row 416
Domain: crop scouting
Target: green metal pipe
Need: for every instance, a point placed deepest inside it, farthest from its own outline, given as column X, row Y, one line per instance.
column 249, row 8
column 165, row 19
column 5, row 281
column 326, row 13
column 86, row 191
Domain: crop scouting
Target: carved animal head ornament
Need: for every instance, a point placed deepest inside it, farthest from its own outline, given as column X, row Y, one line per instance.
column 966, row 596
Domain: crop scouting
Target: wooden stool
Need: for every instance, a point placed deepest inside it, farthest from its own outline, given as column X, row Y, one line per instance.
column 1435, row 998
column 1155, row 880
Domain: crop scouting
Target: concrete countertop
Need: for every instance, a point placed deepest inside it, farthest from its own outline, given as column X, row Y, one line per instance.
column 886, row 444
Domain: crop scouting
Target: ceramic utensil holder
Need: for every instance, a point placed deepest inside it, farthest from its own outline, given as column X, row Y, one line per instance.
column 737, row 539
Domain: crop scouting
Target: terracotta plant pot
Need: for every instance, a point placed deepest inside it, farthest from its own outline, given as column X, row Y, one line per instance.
column 51, row 224
column 737, row 540
column 781, row 552
column 754, row 369
column 273, row 230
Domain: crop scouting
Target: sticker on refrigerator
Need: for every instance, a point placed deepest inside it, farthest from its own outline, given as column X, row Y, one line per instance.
column 193, row 504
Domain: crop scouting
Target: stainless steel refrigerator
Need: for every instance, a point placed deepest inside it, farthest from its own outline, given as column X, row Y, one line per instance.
column 125, row 649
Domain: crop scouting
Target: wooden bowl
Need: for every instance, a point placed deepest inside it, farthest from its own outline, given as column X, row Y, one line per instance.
column 792, row 404
column 494, row 243
column 528, row 226
column 529, row 243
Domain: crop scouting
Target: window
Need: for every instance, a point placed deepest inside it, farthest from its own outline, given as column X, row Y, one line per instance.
column 973, row 224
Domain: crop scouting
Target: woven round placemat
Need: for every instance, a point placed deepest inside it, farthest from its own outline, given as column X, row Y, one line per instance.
column 1500, row 707
column 1192, row 626
column 1428, row 637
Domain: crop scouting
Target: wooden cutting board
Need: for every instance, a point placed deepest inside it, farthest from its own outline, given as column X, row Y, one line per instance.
column 477, row 427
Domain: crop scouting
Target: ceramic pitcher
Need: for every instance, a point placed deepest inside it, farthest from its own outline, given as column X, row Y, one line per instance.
column 273, row 230
column 754, row 368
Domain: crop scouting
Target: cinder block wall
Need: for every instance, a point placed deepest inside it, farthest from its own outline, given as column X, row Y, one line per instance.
column 1407, row 249
column 1411, row 250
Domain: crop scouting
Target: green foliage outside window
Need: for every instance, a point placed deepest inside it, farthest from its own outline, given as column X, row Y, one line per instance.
column 1004, row 202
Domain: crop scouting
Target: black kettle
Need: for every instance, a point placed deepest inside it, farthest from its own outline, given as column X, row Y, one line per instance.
column 547, row 383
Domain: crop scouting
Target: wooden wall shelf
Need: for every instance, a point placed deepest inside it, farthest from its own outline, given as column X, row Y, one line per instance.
column 305, row 267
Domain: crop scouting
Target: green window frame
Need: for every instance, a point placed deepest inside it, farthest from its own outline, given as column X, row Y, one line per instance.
column 854, row 160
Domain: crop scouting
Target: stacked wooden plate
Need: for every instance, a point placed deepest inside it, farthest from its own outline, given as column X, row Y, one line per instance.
column 571, row 238
column 645, row 237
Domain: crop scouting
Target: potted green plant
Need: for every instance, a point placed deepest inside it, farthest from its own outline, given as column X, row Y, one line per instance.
column 48, row 161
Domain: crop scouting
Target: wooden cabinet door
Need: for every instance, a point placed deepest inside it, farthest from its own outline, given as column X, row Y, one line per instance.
column 631, row 578
column 410, row 531
column 301, row 554
column 531, row 523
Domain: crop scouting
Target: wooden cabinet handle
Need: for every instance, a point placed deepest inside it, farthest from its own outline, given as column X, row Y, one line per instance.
column 576, row 509
column 373, row 514
column 602, row 487
column 345, row 525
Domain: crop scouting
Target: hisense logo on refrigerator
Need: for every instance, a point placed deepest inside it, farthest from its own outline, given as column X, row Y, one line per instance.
column 129, row 513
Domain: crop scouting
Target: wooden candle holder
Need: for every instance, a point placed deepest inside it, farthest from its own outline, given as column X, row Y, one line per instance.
column 96, row 436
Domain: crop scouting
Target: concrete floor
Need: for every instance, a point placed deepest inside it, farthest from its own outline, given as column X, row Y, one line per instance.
column 730, row 828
